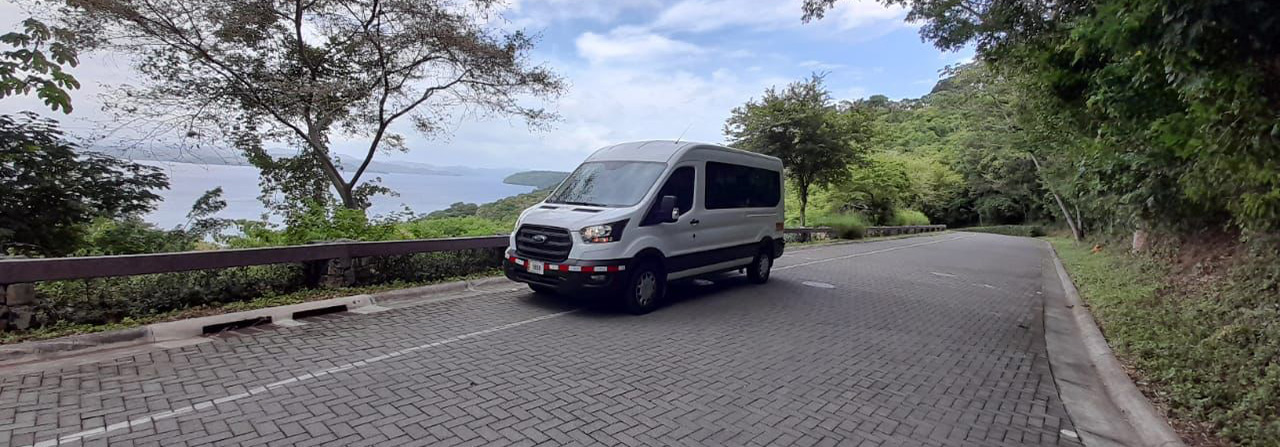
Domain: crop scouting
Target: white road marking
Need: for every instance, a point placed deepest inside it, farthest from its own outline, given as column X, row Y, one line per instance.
column 820, row 285
column 869, row 253
column 948, row 275
column 204, row 405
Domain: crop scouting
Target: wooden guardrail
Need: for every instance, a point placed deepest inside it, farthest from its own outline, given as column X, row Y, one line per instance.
column 804, row 234
column 15, row 271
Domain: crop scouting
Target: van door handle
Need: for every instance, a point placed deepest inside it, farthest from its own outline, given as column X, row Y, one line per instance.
column 694, row 222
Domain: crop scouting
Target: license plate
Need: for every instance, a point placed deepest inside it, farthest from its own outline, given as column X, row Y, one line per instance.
column 537, row 267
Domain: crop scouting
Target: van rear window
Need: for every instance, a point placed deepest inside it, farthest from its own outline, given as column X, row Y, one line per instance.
column 736, row 186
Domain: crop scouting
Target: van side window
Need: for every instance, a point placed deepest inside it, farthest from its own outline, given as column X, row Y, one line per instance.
column 680, row 184
column 735, row 186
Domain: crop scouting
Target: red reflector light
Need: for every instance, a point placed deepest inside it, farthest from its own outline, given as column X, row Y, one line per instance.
column 778, row 226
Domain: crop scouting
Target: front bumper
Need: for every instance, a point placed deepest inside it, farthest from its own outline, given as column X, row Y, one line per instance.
column 569, row 276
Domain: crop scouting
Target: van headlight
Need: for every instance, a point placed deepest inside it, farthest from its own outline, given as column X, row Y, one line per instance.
column 599, row 234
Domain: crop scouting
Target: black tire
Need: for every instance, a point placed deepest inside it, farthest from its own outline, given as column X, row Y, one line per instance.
column 543, row 290
column 646, row 286
column 761, row 266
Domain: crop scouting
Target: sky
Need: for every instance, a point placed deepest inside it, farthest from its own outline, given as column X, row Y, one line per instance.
column 636, row 70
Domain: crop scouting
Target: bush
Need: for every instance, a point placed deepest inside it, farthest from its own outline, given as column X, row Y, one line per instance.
column 908, row 217
column 110, row 300
column 420, row 267
column 846, row 226
column 1009, row 230
column 452, row 227
column 130, row 236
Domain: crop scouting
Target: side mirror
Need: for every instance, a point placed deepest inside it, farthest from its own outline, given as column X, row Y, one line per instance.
column 667, row 210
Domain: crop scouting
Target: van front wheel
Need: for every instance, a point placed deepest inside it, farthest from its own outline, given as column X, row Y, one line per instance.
column 645, row 289
column 542, row 290
column 758, row 271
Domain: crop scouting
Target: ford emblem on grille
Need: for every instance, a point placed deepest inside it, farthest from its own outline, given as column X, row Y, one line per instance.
column 538, row 238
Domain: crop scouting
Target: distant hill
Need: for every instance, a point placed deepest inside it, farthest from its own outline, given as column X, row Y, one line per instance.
column 206, row 156
column 536, row 179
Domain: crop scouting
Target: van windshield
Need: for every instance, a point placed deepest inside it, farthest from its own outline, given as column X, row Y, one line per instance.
column 608, row 183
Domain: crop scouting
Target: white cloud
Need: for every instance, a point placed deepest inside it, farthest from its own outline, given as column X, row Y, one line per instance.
column 713, row 15
column 538, row 14
column 819, row 65
column 632, row 45
column 607, row 105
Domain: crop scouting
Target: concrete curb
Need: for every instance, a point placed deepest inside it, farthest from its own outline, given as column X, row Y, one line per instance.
column 1150, row 427
column 61, row 347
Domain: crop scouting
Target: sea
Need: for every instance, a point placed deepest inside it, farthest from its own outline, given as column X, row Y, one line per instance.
column 420, row 193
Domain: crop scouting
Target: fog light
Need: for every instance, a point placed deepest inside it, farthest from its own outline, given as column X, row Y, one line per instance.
column 598, row 278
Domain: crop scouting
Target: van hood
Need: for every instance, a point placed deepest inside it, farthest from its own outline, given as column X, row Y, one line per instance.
column 573, row 217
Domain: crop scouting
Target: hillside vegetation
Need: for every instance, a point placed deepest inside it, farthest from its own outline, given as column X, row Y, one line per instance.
column 536, row 179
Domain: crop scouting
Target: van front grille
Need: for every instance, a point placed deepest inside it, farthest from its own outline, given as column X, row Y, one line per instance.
column 545, row 243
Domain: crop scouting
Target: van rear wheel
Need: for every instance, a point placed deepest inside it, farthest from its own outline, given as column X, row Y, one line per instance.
column 645, row 288
column 758, row 271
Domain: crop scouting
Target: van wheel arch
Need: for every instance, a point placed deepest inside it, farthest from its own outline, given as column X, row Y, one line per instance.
column 650, row 254
column 767, row 243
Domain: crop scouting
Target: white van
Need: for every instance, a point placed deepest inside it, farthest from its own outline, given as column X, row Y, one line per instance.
column 635, row 215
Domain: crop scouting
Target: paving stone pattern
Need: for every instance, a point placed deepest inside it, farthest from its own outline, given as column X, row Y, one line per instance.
column 936, row 344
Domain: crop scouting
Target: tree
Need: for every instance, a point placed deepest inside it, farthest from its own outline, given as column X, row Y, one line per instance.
column 802, row 126
column 1177, row 99
column 301, row 73
column 49, row 191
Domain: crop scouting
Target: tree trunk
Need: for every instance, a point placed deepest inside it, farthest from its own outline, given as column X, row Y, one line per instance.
column 804, row 202
column 1075, row 231
column 1079, row 221
column 321, row 152
column 1140, row 240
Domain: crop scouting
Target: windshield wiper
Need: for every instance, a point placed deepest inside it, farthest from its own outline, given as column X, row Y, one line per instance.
column 570, row 202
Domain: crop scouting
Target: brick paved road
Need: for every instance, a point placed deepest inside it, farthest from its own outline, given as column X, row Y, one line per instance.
column 923, row 341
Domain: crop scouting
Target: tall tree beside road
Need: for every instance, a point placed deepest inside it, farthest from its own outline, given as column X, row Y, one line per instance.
column 1180, row 100
column 304, row 73
column 801, row 125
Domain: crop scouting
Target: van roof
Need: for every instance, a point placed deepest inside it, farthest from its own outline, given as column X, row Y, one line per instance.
column 662, row 151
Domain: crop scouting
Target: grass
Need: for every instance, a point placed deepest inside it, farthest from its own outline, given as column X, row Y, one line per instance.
column 1205, row 341
column 66, row 329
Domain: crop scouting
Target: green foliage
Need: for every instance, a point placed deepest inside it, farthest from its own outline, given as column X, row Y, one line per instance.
column 908, row 217
column 36, row 63
column 1009, row 230
column 874, row 189
column 802, row 126
column 457, row 209
column 1209, row 346
column 112, row 300
column 846, row 226
column 87, row 315
column 1146, row 113
column 452, row 227
column 507, row 210
column 318, row 223
column 130, row 235
column 50, row 192
column 504, row 211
